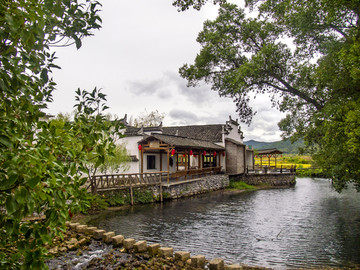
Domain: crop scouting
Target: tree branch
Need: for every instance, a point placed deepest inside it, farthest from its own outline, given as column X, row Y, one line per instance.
column 296, row 92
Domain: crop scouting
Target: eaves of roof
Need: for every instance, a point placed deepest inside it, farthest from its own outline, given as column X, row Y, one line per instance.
column 184, row 142
column 269, row 151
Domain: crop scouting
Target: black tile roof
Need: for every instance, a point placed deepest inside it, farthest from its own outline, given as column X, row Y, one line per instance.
column 134, row 131
column 212, row 133
column 184, row 143
column 269, row 151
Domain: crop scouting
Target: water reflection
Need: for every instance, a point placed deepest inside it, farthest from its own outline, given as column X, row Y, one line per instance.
column 308, row 225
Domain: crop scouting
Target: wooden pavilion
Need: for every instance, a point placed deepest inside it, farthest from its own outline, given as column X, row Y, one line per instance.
column 268, row 154
column 180, row 157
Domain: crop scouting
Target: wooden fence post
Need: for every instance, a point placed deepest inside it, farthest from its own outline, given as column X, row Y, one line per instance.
column 131, row 195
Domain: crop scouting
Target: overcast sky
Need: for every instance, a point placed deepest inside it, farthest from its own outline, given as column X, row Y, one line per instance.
column 135, row 58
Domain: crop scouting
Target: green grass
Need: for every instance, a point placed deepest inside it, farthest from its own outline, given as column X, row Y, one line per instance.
column 240, row 186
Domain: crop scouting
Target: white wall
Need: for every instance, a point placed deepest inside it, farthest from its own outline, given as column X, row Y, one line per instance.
column 131, row 144
column 234, row 134
column 132, row 148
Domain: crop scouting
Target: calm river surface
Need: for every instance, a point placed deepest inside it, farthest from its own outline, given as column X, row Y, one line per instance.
column 306, row 226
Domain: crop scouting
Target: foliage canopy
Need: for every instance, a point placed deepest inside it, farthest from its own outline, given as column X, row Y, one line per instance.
column 306, row 56
column 43, row 163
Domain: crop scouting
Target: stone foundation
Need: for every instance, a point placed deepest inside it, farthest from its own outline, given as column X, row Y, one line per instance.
column 194, row 186
column 274, row 179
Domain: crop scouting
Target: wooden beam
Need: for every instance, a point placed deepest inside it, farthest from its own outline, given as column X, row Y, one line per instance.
column 177, row 161
column 168, row 165
column 199, row 163
column 142, row 160
column 160, row 161
column 220, row 155
column 186, row 165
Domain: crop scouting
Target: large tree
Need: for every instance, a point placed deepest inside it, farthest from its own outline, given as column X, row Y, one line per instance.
column 151, row 119
column 306, row 56
column 43, row 163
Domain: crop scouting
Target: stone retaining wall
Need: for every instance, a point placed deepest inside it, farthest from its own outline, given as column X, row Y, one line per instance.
column 195, row 186
column 274, row 179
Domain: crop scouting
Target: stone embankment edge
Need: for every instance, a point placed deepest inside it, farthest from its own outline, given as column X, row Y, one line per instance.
column 132, row 246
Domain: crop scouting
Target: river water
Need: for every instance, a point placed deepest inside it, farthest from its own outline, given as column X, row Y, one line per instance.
column 309, row 225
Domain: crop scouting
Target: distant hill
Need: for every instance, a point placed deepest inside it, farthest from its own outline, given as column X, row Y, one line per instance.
column 285, row 145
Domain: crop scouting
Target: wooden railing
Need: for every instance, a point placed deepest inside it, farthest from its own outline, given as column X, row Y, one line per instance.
column 273, row 169
column 192, row 173
column 107, row 182
column 119, row 181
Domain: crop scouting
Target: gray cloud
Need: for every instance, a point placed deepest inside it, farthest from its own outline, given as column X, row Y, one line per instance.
column 197, row 95
column 182, row 117
column 157, row 87
column 144, row 87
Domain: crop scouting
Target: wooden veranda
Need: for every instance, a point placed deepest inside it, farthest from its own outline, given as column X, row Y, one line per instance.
column 173, row 159
column 182, row 157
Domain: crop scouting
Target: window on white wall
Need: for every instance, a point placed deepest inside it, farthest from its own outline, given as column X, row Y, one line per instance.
column 151, row 162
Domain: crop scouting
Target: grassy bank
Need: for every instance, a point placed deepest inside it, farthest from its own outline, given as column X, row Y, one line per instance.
column 239, row 185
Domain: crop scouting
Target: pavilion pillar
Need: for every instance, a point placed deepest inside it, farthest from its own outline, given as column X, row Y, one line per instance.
column 142, row 160
column 177, row 161
column 202, row 160
column 160, row 161
column 188, row 161
column 168, row 165
column 186, row 166
column 220, row 160
column 199, row 164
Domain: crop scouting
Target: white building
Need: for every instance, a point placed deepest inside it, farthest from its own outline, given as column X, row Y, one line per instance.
column 187, row 150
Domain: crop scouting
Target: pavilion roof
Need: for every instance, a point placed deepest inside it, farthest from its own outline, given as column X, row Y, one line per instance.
column 271, row 151
column 183, row 142
column 212, row 133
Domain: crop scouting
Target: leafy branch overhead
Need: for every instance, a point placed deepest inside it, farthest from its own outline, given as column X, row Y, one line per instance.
column 43, row 163
column 304, row 54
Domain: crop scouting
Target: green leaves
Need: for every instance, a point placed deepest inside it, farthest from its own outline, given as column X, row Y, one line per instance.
column 10, row 205
column 35, row 165
column 305, row 55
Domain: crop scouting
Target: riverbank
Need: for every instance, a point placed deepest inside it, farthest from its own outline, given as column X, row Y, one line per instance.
column 84, row 247
column 256, row 228
column 235, row 187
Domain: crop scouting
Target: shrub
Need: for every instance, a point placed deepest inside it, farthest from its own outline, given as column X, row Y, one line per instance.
column 143, row 196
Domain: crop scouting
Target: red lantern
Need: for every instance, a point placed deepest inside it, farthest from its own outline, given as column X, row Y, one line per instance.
column 214, row 153
column 204, row 153
column 223, row 153
column 190, row 152
column 172, row 152
column 140, row 147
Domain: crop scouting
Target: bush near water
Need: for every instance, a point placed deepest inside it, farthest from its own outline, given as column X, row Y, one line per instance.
column 122, row 197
